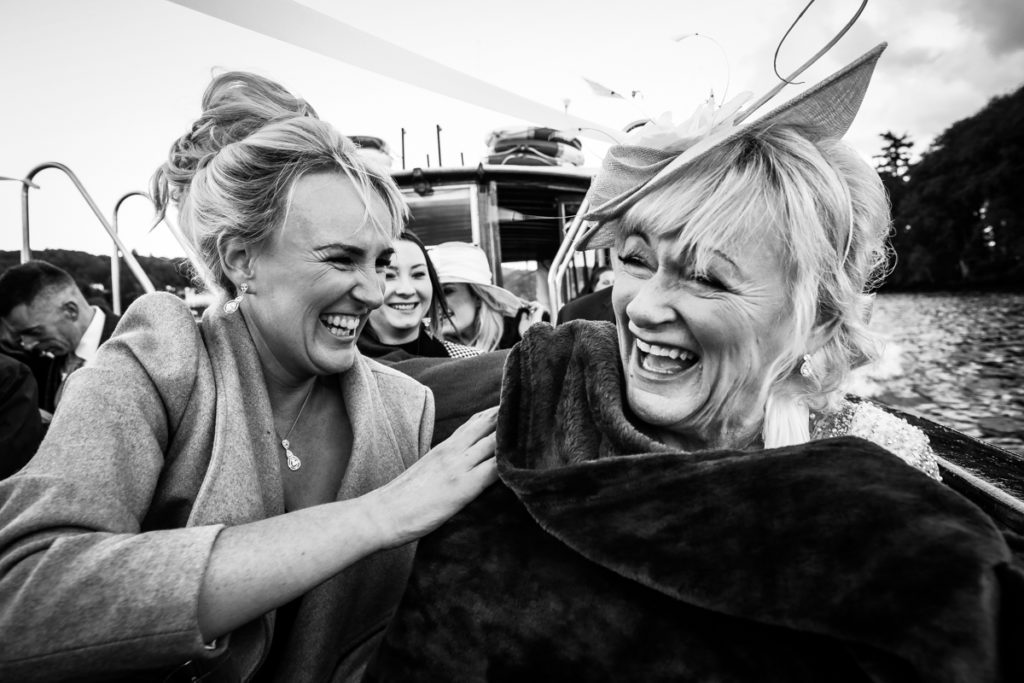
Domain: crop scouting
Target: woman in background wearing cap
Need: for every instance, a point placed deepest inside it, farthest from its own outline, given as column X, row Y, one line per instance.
column 409, row 322
column 674, row 487
column 480, row 313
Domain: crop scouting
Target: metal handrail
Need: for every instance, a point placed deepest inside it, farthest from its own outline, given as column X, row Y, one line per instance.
column 115, row 261
column 26, row 251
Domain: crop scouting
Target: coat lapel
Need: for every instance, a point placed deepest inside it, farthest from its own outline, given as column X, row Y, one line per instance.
column 243, row 480
column 375, row 453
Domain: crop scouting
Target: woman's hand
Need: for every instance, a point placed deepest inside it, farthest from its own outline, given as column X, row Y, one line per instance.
column 437, row 486
column 258, row 566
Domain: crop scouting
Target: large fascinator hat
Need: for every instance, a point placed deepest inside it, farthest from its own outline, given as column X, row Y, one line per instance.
column 655, row 154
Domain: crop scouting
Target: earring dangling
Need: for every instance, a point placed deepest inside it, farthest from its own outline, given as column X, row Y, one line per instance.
column 232, row 305
column 805, row 368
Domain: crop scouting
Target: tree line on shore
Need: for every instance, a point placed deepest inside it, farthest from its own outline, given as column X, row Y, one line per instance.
column 92, row 272
column 958, row 211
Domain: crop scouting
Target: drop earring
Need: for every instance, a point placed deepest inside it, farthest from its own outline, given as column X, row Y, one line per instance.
column 805, row 368
column 232, row 305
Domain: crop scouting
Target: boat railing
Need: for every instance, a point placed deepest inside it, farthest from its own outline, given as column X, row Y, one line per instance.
column 989, row 476
column 564, row 257
column 115, row 262
column 119, row 248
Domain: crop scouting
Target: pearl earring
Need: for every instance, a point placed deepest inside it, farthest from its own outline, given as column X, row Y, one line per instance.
column 232, row 305
column 805, row 368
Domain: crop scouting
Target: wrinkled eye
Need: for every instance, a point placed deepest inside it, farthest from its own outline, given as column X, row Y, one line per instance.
column 636, row 263
column 708, row 280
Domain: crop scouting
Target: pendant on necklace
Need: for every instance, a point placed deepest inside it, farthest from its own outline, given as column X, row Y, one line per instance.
column 293, row 460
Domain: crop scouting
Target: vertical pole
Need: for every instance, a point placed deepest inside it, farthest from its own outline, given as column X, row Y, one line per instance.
column 462, row 159
column 439, row 145
column 115, row 278
column 489, row 227
column 26, row 250
column 428, row 161
column 403, row 149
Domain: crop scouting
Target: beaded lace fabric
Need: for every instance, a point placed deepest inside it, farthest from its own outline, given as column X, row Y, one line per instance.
column 888, row 431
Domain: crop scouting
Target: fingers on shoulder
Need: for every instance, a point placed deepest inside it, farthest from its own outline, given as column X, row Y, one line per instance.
column 483, row 422
column 487, row 471
column 484, row 448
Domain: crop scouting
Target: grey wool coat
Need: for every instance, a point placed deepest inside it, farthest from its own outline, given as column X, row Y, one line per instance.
column 106, row 534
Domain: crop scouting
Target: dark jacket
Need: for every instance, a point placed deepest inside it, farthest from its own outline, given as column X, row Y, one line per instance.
column 423, row 346
column 594, row 306
column 604, row 555
column 49, row 376
column 21, row 430
column 461, row 387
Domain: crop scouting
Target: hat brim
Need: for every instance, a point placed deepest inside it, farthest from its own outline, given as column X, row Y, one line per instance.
column 824, row 111
column 506, row 299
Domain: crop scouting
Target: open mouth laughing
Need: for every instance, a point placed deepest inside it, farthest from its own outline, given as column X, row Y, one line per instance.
column 665, row 360
column 341, row 326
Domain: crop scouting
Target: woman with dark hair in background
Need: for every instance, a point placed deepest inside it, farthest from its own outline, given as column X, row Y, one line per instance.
column 410, row 321
column 601, row 277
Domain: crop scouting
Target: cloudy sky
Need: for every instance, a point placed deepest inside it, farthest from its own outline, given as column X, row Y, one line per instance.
column 104, row 86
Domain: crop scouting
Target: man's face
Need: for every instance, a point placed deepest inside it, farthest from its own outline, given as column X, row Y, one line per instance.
column 47, row 324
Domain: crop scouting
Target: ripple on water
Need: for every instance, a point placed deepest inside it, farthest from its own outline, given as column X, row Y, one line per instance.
column 957, row 359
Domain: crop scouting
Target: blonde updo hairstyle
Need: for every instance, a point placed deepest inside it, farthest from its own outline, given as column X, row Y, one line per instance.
column 231, row 176
column 826, row 212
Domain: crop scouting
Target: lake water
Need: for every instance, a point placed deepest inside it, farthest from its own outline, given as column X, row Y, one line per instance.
column 957, row 359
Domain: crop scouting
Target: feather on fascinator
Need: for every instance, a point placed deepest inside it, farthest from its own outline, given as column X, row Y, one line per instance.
column 655, row 156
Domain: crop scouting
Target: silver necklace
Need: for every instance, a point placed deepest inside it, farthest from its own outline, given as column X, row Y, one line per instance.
column 293, row 460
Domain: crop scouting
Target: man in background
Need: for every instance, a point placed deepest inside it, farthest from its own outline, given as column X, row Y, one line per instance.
column 50, row 318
